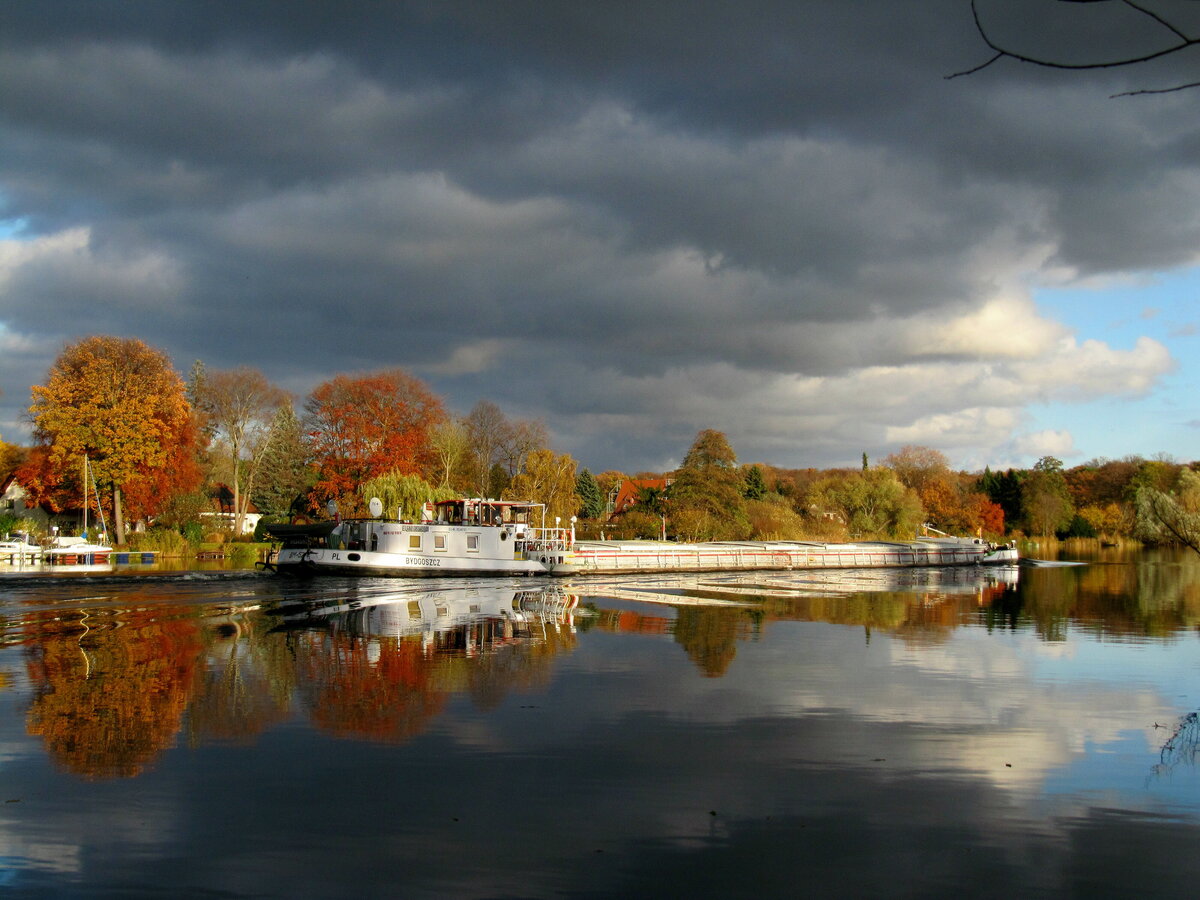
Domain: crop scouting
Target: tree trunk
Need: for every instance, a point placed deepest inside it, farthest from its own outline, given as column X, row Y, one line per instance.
column 118, row 517
column 237, row 497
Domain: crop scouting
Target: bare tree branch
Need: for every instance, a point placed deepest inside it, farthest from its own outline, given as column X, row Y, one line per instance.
column 1180, row 41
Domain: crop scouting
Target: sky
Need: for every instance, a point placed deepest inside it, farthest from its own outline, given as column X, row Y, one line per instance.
column 631, row 220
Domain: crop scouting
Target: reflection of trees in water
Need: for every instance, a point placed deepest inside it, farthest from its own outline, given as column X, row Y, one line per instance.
column 246, row 686
column 388, row 688
column 709, row 635
column 359, row 686
column 111, row 688
column 519, row 666
column 107, row 699
column 1159, row 597
column 1181, row 747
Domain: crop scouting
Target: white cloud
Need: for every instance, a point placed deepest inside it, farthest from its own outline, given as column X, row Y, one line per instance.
column 68, row 270
column 1060, row 444
column 472, row 358
column 1005, row 327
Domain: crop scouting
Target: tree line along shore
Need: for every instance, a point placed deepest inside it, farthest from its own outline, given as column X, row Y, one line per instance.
column 171, row 458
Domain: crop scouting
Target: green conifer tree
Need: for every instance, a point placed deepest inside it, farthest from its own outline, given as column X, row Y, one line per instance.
column 589, row 495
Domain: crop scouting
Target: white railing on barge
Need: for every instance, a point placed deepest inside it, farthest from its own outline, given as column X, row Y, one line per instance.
column 604, row 556
column 546, row 540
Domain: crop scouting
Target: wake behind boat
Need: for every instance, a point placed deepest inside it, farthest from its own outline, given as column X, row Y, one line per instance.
column 476, row 536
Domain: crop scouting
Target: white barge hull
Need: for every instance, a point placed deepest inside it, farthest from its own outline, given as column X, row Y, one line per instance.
column 607, row 557
column 410, row 565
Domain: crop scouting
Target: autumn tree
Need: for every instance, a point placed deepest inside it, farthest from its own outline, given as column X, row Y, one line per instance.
column 610, row 482
column 518, row 440
column 486, row 427
column 499, row 447
column 1171, row 516
column 773, row 519
column 361, row 427
column 116, row 401
column 548, row 478
column 52, row 486
column 158, row 490
column 11, row 456
column 1004, row 489
column 706, row 501
column 241, row 405
column 1103, row 492
column 450, row 442
column 871, row 503
column 1045, row 500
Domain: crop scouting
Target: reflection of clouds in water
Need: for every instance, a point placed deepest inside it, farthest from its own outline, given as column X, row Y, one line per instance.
column 21, row 851
column 972, row 702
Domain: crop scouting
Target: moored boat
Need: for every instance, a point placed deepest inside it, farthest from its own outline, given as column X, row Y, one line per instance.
column 476, row 536
column 71, row 550
column 20, row 549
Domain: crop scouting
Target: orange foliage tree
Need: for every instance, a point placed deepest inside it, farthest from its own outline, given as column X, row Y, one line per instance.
column 48, row 484
column 363, row 427
column 146, row 496
column 119, row 402
column 949, row 501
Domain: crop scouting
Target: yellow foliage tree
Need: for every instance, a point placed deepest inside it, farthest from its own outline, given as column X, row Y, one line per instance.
column 119, row 402
column 548, row 478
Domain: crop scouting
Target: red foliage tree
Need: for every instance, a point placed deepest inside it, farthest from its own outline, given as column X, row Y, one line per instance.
column 48, row 484
column 364, row 426
column 146, row 496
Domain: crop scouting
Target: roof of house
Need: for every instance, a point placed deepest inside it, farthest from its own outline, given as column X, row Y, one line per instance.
column 627, row 496
column 222, row 494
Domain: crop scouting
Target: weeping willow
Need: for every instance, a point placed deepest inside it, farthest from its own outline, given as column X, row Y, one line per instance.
column 1173, row 517
column 403, row 495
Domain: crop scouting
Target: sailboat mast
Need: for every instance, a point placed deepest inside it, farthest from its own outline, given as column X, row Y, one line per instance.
column 85, row 484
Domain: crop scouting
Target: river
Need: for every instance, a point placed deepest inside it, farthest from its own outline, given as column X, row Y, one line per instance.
column 918, row 733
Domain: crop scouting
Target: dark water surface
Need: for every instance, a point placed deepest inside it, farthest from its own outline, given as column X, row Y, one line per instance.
column 897, row 733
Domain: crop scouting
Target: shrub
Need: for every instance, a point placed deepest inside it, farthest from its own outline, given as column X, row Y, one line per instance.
column 634, row 525
column 242, row 555
column 166, row 541
column 773, row 519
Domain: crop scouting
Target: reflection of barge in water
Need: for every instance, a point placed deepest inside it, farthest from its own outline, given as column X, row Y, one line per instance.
column 498, row 537
column 467, row 619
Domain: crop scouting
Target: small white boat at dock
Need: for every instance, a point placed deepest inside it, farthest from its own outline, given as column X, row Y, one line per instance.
column 72, row 550
column 475, row 536
column 19, row 550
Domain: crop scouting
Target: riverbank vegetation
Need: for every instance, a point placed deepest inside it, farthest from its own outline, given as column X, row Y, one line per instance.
column 188, row 461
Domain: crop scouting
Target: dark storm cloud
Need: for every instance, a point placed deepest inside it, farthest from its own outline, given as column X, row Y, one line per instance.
column 645, row 196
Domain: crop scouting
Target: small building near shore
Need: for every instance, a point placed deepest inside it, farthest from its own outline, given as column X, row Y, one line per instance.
column 631, row 489
column 222, row 514
column 14, row 501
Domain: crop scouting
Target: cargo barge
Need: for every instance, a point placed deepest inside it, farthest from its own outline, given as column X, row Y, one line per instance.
column 475, row 536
